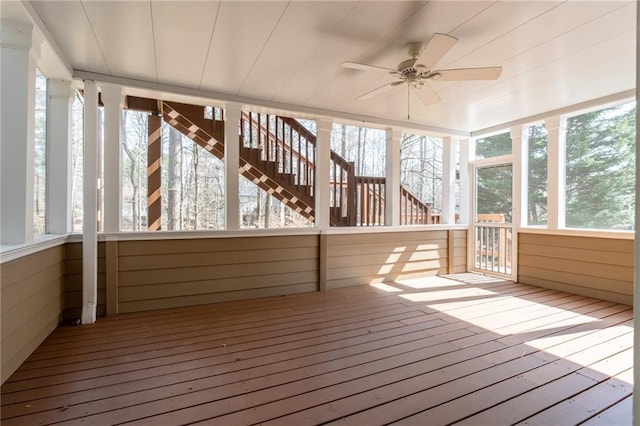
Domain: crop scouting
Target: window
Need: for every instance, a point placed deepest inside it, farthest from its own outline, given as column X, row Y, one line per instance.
column 600, row 173
column 537, row 175
column 134, row 171
column 77, row 137
column 493, row 146
column 421, row 176
column 357, row 174
column 40, row 156
column 277, row 171
column 192, row 184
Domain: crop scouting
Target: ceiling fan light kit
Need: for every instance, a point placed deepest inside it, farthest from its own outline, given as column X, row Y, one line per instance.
column 415, row 71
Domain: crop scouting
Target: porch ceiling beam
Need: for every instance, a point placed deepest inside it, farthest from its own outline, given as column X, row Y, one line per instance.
column 279, row 107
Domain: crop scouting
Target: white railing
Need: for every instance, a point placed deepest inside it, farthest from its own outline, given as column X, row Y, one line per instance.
column 493, row 247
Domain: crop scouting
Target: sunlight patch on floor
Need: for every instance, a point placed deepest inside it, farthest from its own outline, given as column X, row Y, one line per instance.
column 386, row 287
column 428, row 282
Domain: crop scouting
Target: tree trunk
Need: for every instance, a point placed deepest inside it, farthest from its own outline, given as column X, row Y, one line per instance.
column 359, row 158
column 267, row 211
column 196, row 206
column 172, row 178
column 132, row 178
column 258, row 207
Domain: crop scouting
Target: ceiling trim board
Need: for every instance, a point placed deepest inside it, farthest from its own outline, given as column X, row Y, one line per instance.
column 222, row 97
column 42, row 28
column 578, row 108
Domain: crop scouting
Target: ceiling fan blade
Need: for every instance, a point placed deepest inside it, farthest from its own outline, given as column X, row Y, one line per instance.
column 427, row 95
column 365, row 67
column 488, row 73
column 379, row 90
column 436, row 47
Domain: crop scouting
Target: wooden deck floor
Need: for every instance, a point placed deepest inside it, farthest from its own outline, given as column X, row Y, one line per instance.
column 476, row 351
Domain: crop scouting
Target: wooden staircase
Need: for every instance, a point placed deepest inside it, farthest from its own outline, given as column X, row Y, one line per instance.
column 278, row 155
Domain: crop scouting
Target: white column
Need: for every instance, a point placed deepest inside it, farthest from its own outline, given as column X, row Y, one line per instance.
column 90, row 205
column 519, row 143
column 322, row 172
column 448, row 215
column 112, row 99
column 232, row 114
column 636, row 284
column 467, row 153
column 17, row 103
column 392, row 180
column 59, row 203
column 556, row 173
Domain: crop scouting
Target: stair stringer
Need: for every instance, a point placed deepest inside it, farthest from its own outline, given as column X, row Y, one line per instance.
column 181, row 118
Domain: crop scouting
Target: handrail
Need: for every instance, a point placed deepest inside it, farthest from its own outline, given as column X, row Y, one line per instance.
column 286, row 148
column 412, row 210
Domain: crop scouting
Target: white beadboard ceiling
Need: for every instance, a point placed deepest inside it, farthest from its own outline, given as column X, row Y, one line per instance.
column 554, row 53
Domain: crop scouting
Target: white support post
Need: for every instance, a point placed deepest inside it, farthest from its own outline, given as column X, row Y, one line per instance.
column 322, row 173
column 17, row 103
column 392, row 179
column 519, row 143
column 90, row 205
column 448, row 215
column 112, row 98
column 232, row 115
column 636, row 275
column 467, row 153
column 556, row 172
column 59, row 114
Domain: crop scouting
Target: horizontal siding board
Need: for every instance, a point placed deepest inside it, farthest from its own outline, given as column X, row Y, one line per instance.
column 74, row 266
column 31, row 304
column 180, row 260
column 133, row 248
column 386, row 238
column 388, row 272
column 74, row 250
column 458, row 269
column 460, row 261
column 157, row 276
column 157, row 291
column 581, row 290
column 386, row 259
column 591, row 266
column 371, row 279
column 25, row 343
column 606, row 284
column 459, row 234
column 172, row 273
column 589, row 243
column 17, row 294
column 460, row 243
column 22, row 314
column 579, row 254
column 145, row 305
column 19, row 270
column 616, row 272
column 357, row 259
column 365, row 249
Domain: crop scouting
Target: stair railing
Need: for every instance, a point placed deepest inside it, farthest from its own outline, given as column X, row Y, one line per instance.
column 283, row 144
column 370, row 196
column 412, row 210
column 342, row 187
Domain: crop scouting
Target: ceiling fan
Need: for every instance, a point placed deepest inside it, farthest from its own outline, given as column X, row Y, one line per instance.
column 415, row 71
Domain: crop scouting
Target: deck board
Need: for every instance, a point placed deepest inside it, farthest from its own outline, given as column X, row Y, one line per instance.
column 471, row 350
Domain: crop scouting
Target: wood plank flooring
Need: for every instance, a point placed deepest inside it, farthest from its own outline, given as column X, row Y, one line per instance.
column 466, row 349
